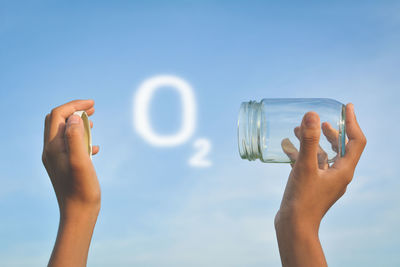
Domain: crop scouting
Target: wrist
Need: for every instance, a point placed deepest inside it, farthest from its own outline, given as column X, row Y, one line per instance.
column 83, row 212
column 295, row 224
column 298, row 240
column 75, row 230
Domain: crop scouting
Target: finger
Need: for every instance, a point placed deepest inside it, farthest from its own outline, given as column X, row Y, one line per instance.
column 90, row 111
column 357, row 140
column 322, row 155
column 91, row 124
column 75, row 139
column 297, row 132
column 322, row 159
column 309, row 141
column 289, row 149
column 61, row 113
column 95, row 150
column 332, row 135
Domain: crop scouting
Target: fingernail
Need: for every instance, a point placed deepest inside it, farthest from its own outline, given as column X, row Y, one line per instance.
column 74, row 119
column 311, row 122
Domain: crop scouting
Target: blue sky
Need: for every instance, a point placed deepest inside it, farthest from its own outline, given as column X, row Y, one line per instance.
column 157, row 210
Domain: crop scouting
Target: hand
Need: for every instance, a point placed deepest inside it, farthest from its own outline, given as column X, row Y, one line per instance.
column 74, row 180
column 331, row 134
column 66, row 160
column 312, row 188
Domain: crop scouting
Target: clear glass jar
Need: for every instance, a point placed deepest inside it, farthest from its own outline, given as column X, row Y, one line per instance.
column 266, row 129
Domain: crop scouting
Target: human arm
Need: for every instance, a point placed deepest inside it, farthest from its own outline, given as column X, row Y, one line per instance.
column 74, row 180
column 312, row 188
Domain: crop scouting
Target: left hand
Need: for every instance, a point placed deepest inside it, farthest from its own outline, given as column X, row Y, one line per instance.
column 67, row 161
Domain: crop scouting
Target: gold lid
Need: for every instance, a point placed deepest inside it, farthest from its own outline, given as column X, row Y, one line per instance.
column 88, row 135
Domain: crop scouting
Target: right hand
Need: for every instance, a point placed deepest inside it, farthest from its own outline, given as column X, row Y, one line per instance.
column 331, row 134
column 314, row 186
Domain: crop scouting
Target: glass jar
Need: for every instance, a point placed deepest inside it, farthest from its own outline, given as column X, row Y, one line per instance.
column 267, row 129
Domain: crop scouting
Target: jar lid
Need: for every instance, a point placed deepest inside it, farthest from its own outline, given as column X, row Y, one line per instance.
column 88, row 135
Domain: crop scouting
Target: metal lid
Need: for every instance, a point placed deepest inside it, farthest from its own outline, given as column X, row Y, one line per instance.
column 88, row 135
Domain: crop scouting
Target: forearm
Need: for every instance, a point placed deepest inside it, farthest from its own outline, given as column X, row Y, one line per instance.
column 299, row 244
column 73, row 238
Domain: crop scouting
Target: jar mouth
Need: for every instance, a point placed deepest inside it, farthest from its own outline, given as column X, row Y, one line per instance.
column 249, row 132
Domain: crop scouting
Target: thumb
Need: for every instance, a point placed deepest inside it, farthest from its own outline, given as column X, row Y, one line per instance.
column 310, row 131
column 75, row 138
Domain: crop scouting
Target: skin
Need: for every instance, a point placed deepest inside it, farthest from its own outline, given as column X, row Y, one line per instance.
column 313, row 187
column 74, row 180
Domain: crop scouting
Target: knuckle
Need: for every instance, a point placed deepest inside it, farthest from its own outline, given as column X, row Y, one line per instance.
column 310, row 139
column 54, row 111
column 364, row 140
column 47, row 151
column 343, row 191
column 72, row 132
column 348, row 179
column 44, row 160
column 348, row 175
